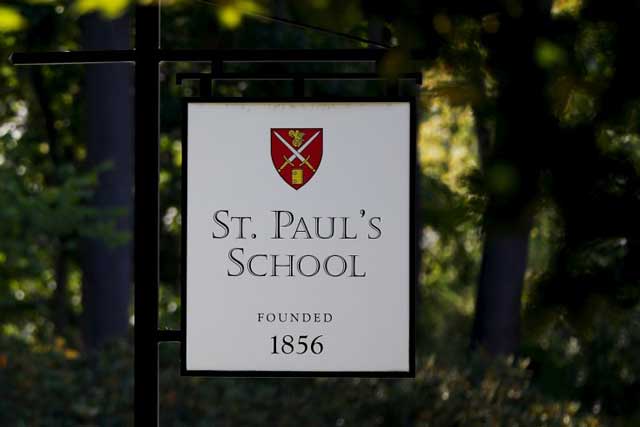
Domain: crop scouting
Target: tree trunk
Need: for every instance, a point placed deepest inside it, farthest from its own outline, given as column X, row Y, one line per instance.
column 507, row 224
column 511, row 164
column 496, row 328
column 107, row 270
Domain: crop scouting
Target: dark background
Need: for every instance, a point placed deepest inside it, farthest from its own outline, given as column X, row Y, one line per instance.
column 529, row 197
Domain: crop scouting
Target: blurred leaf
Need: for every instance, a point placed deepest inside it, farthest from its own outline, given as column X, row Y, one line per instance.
column 229, row 16
column 566, row 7
column 230, row 13
column 549, row 55
column 10, row 19
column 109, row 8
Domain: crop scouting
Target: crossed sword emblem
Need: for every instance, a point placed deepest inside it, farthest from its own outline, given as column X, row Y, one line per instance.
column 296, row 153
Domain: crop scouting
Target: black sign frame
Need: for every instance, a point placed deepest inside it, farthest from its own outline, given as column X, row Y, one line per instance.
column 412, row 240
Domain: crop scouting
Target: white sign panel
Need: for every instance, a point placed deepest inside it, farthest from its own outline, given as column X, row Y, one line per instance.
column 297, row 238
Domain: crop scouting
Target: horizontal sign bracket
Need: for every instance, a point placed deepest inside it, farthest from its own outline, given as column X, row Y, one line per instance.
column 220, row 55
column 181, row 77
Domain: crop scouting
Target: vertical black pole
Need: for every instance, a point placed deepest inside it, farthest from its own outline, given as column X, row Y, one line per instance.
column 146, row 215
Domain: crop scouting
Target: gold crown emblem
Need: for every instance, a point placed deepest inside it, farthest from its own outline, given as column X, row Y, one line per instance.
column 297, row 137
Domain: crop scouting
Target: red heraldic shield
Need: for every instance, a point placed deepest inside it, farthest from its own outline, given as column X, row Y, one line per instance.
column 296, row 154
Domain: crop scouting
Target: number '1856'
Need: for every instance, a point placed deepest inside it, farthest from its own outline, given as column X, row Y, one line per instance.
column 287, row 344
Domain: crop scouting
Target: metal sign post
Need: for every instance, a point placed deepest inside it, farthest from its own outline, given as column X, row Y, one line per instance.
column 146, row 57
column 147, row 211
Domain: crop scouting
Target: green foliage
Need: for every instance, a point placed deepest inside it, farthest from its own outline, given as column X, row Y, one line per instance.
column 10, row 19
column 439, row 396
column 596, row 366
column 46, row 186
column 581, row 324
column 53, row 385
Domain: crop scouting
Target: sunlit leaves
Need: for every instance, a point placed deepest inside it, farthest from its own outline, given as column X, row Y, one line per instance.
column 447, row 150
column 621, row 143
column 230, row 13
column 579, row 73
column 566, row 7
column 447, row 142
column 229, row 16
column 109, row 8
column 11, row 19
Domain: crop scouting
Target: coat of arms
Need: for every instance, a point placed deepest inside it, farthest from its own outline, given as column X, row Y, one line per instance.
column 296, row 154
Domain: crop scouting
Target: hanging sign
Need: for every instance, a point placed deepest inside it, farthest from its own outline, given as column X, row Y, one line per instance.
column 298, row 237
